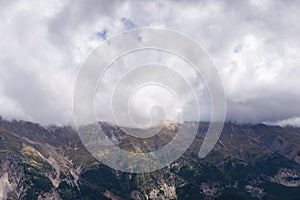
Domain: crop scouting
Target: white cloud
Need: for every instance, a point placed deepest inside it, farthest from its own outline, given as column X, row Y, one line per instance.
column 254, row 44
column 295, row 121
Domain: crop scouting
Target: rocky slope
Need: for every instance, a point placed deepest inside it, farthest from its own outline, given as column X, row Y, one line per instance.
column 249, row 162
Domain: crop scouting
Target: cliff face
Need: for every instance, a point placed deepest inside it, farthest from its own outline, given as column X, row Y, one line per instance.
column 249, row 162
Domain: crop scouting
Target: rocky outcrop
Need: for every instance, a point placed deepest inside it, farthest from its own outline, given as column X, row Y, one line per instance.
column 11, row 178
column 287, row 177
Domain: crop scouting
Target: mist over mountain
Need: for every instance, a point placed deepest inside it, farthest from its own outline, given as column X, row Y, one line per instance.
column 146, row 72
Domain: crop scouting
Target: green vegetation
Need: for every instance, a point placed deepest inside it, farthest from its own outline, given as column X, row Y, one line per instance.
column 38, row 182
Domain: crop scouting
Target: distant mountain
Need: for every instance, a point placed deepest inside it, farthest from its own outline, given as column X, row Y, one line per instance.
column 248, row 162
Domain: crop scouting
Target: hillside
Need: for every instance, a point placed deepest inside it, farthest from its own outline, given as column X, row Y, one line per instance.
column 249, row 162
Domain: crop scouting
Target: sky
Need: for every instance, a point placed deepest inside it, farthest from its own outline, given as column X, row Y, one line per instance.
column 254, row 44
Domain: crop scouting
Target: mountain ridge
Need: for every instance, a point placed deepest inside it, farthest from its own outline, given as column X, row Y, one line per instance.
column 250, row 161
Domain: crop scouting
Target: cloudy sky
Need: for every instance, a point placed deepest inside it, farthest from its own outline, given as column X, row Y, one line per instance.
column 254, row 44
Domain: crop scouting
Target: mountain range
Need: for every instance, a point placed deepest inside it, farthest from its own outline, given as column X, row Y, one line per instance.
column 250, row 161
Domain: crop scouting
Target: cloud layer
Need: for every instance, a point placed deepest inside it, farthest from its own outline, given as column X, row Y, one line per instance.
column 254, row 44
